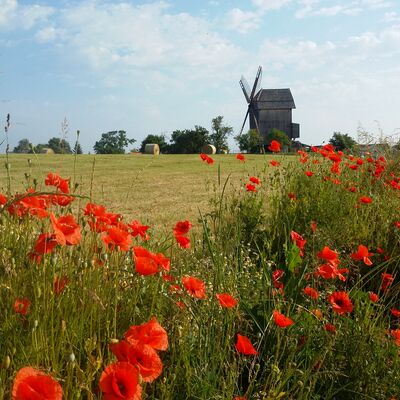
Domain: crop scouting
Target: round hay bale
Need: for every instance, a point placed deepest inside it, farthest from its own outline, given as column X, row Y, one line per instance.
column 152, row 148
column 208, row 149
column 47, row 150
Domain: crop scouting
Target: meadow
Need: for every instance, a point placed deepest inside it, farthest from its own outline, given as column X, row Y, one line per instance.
column 184, row 277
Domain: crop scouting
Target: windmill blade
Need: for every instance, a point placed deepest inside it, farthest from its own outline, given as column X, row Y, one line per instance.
column 246, row 88
column 244, row 122
column 258, row 87
column 253, row 92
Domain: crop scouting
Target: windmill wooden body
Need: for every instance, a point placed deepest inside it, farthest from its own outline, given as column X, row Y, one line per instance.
column 268, row 109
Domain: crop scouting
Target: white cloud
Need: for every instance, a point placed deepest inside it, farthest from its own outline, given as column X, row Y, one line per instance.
column 267, row 5
column 16, row 16
column 391, row 16
column 242, row 21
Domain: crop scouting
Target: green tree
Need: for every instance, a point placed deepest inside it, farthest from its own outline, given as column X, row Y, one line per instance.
column 113, row 142
column 249, row 142
column 77, row 149
column 59, row 146
column 157, row 139
column 24, row 146
column 219, row 134
column 279, row 136
column 189, row 141
column 342, row 141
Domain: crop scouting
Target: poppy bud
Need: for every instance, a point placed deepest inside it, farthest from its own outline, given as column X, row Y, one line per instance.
column 6, row 362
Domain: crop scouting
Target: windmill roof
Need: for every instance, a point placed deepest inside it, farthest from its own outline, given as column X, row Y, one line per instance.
column 275, row 99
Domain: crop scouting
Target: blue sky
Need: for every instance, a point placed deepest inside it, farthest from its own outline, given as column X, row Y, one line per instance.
column 156, row 66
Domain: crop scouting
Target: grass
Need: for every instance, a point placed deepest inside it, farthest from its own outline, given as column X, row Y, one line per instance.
column 242, row 246
column 158, row 190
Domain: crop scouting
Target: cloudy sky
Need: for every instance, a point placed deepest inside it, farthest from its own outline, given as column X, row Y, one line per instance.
column 155, row 66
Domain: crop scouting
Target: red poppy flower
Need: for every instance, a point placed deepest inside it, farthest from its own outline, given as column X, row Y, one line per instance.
column 3, row 200
column 146, row 359
column 373, row 297
column 137, row 229
column 300, row 242
column 313, row 226
column 397, row 224
column 292, row 196
column 240, row 398
column 395, row 312
column 276, row 276
column 150, row 333
column 352, row 189
column 362, row 255
column 94, row 210
column 147, row 263
column 311, row 292
column 240, row 157
column 60, row 200
column 182, row 228
column 255, row 180
column 387, row 280
column 250, row 187
column 318, row 313
column 309, row 173
column 117, row 238
column 274, row 146
column 21, row 306
column 335, row 168
column 244, row 346
column 194, row 286
column 340, row 302
column 275, row 163
column 120, row 381
column 206, row 158
column 183, row 241
column 365, row 200
column 359, row 161
column 59, row 284
column 281, row 320
column 58, row 182
column 226, row 300
column 32, row 384
column 328, row 255
column 330, row 328
column 45, row 243
column 330, row 271
column 66, row 229
column 396, row 336
column 354, row 167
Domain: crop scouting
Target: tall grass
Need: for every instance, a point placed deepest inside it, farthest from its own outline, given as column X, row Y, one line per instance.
column 236, row 248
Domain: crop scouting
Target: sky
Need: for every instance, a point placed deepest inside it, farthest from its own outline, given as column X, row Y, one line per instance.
column 152, row 67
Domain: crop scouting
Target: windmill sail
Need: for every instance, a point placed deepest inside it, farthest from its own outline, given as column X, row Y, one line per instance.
column 245, row 87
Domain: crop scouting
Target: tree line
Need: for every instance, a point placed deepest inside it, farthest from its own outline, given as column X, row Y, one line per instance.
column 187, row 141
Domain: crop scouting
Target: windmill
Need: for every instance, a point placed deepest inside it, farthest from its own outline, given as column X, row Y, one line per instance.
column 251, row 98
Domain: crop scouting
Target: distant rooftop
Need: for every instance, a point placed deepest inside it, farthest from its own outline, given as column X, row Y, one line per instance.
column 274, row 99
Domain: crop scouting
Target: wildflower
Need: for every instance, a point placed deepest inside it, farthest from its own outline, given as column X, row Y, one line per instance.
column 276, row 276
column 300, row 242
column 147, row 263
column 365, row 200
column 255, row 180
column 281, row 320
column 362, row 255
column 45, row 243
column 146, row 359
column 352, row 189
column 66, row 229
column 292, row 196
column 313, row 226
column 117, row 238
column 30, row 383
column 183, row 241
column 250, row 187
column 317, row 313
column 182, row 228
column 275, row 163
column 395, row 312
column 330, row 328
column 206, row 158
column 396, row 336
column 387, row 280
column 340, row 302
column 137, row 229
column 194, row 286
column 309, row 173
column 59, row 284
column 3, row 200
column 21, row 306
column 58, row 182
column 150, row 333
column 120, row 380
column 330, row 271
column 244, row 346
column 329, row 255
column 311, row 292
column 274, row 146
column 373, row 297
column 240, row 157
column 226, row 300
